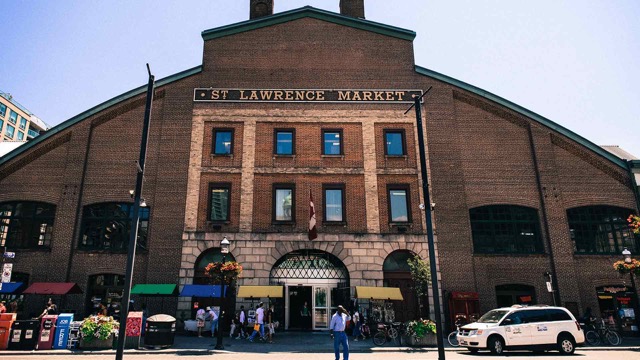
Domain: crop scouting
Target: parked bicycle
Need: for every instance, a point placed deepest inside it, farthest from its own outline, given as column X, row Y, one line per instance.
column 602, row 333
column 453, row 336
column 389, row 332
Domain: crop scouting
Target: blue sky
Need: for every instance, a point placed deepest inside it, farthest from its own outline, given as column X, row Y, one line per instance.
column 574, row 62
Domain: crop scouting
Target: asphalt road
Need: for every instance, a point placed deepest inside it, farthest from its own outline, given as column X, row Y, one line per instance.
column 450, row 355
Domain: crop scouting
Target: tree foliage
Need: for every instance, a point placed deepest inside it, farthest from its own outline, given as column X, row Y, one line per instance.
column 421, row 274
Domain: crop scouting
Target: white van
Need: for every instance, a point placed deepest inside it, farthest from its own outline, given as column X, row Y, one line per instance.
column 523, row 327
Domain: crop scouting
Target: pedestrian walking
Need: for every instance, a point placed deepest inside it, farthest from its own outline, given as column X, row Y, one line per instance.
column 337, row 327
column 50, row 309
column 3, row 309
column 213, row 317
column 200, row 316
column 355, row 319
column 242, row 320
column 259, row 325
column 270, row 323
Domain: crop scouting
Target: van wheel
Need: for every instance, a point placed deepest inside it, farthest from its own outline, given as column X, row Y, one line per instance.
column 496, row 345
column 566, row 345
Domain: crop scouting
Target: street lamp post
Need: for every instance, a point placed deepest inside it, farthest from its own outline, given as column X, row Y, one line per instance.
column 224, row 249
column 627, row 259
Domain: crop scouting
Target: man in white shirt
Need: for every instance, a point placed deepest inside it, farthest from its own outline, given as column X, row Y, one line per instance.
column 242, row 319
column 259, row 321
column 337, row 327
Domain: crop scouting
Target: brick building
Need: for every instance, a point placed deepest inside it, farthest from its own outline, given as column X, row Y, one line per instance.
column 310, row 102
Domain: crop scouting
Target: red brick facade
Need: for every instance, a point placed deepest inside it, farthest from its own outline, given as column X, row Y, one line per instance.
column 479, row 153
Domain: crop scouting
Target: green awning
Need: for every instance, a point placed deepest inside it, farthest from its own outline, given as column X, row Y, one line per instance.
column 155, row 290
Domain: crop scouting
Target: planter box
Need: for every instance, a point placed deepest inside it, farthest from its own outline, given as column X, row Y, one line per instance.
column 97, row 344
column 427, row 340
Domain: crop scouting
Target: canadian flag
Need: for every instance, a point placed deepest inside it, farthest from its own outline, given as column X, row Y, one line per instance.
column 313, row 233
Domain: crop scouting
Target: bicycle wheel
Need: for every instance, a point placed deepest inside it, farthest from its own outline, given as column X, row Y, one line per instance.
column 613, row 338
column 380, row 338
column 592, row 338
column 393, row 333
column 453, row 339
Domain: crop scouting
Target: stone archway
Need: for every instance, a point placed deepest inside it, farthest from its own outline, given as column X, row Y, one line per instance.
column 315, row 282
column 397, row 274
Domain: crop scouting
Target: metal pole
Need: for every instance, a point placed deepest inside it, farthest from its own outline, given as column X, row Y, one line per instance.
column 219, row 345
column 427, row 203
column 133, row 232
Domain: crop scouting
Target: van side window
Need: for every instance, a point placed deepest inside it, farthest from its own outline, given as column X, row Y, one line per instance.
column 559, row 315
column 516, row 317
column 535, row 316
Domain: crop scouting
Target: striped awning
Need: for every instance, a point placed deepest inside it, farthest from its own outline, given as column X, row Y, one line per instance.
column 378, row 293
column 247, row 291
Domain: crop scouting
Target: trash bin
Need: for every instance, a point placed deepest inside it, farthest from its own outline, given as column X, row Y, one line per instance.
column 161, row 330
column 47, row 332
column 6, row 321
column 61, row 337
column 24, row 335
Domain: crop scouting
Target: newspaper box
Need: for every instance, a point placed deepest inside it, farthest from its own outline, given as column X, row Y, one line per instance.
column 47, row 332
column 24, row 335
column 61, row 337
column 6, row 321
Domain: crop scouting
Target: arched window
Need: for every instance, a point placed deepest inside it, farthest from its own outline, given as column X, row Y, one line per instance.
column 601, row 230
column 208, row 256
column 106, row 226
column 505, row 229
column 26, row 224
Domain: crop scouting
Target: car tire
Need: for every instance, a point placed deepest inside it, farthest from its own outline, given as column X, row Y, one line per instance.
column 473, row 350
column 496, row 345
column 566, row 345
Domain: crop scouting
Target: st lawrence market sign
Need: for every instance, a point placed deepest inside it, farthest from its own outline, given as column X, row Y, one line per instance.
column 304, row 95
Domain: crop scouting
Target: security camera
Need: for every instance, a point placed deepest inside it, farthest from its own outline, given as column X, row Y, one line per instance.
column 433, row 206
column 421, row 206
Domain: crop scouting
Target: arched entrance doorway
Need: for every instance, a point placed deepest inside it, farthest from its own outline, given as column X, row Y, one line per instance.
column 199, row 278
column 316, row 278
column 511, row 294
column 398, row 274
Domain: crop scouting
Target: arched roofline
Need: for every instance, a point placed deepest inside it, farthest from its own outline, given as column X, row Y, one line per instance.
column 523, row 111
column 94, row 110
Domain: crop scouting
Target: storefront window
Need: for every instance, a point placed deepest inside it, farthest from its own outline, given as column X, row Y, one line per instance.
column 601, row 230
column 106, row 226
column 26, row 225
column 617, row 307
column 106, row 289
column 505, row 229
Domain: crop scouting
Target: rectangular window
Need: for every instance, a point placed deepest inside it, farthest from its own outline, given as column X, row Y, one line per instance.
column 13, row 116
column 23, row 123
column 399, row 204
column 3, row 110
column 10, row 131
column 332, row 142
column 284, row 203
column 334, row 203
column 394, row 143
column 223, row 142
column 284, row 142
column 20, row 135
column 219, row 202
column 1, row 125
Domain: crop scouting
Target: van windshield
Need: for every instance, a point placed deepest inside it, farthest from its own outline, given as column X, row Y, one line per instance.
column 493, row 316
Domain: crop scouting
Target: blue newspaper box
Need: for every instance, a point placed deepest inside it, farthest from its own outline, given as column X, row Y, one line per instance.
column 62, row 331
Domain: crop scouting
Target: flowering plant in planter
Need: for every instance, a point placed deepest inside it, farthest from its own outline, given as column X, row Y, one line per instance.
column 226, row 272
column 634, row 223
column 625, row 268
column 98, row 327
column 420, row 328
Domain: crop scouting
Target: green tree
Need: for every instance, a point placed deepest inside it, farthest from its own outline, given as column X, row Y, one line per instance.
column 421, row 275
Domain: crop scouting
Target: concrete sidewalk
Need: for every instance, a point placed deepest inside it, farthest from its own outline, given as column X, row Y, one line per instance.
column 284, row 342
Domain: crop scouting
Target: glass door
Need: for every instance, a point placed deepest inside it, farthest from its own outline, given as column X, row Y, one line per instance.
column 321, row 307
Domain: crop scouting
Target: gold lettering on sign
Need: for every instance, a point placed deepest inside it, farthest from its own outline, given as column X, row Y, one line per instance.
column 254, row 95
column 378, row 95
column 344, row 95
column 366, row 95
column 277, row 95
column 356, row 96
column 288, row 95
column 242, row 97
column 300, row 95
column 400, row 95
column 310, row 95
column 266, row 95
column 215, row 95
column 320, row 96
column 389, row 95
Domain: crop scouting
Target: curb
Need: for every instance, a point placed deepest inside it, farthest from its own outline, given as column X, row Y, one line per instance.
column 212, row 351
